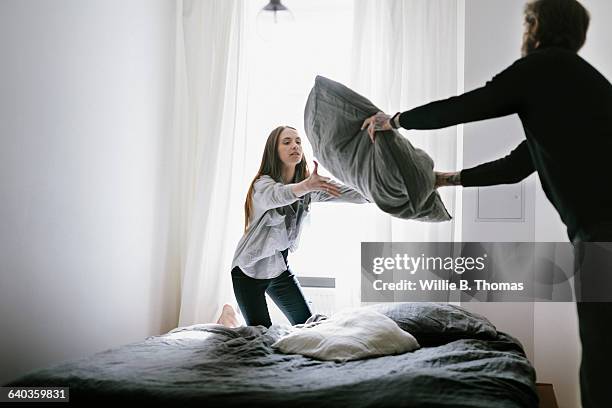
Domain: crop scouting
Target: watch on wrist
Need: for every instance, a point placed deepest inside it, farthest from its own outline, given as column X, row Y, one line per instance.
column 395, row 121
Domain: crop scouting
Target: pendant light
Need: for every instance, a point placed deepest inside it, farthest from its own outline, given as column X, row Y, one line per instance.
column 275, row 21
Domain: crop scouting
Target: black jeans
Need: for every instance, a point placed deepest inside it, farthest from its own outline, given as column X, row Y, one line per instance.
column 595, row 320
column 284, row 290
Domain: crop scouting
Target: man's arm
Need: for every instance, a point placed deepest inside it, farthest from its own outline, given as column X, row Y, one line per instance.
column 501, row 96
column 508, row 170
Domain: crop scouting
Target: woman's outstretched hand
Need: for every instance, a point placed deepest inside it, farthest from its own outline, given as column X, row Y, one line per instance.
column 319, row 183
column 315, row 182
column 380, row 121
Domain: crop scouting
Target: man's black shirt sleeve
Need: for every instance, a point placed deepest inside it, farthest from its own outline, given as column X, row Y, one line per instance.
column 508, row 170
column 500, row 96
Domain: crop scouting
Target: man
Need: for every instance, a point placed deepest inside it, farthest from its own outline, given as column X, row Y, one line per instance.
column 565, row 106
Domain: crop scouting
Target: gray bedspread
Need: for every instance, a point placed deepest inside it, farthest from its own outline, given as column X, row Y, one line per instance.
column 395, row 175
column 209, row 365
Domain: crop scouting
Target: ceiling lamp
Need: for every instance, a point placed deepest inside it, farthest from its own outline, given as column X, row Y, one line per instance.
column 274, row 21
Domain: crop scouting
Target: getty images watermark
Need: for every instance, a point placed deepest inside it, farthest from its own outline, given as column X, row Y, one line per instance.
column 486, row 271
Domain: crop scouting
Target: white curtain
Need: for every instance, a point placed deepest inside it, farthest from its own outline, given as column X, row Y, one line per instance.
column 208, row 152
column 405, row 54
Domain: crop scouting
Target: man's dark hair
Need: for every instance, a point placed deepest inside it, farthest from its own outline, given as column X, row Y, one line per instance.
column 561, row 23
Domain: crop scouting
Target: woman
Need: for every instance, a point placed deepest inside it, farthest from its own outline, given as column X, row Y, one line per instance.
column 276, row 205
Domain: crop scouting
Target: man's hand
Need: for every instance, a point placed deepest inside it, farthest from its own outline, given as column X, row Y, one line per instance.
column 447, row 179
column 380, row 121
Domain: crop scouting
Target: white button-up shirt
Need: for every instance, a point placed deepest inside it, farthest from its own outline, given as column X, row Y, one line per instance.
column 275, row 225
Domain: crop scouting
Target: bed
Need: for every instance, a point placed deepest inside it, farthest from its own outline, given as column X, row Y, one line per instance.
column 463, row 362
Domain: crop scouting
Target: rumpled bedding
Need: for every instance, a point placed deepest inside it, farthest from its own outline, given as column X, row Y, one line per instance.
column 211, row 365
column 391, row 172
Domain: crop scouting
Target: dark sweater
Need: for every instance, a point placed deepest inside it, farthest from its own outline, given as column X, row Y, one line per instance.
column 565, row 106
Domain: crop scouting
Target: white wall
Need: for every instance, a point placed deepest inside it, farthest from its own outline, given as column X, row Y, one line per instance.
column 599, row 39
column 549, row 331
column 501, row 213
column 85, row 99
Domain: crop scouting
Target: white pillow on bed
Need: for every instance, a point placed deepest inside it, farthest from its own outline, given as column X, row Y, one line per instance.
column 348, row 335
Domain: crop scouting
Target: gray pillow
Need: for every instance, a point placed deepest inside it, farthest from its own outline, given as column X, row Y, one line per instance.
column 433, row 324
column 391, row 172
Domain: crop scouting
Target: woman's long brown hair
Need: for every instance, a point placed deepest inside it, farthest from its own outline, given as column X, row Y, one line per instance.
column 272, row 166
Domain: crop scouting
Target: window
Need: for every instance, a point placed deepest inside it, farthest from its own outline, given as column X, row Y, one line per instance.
column 281, row 75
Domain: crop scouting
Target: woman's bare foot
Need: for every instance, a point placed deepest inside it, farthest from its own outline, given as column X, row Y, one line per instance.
column 228, row 317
